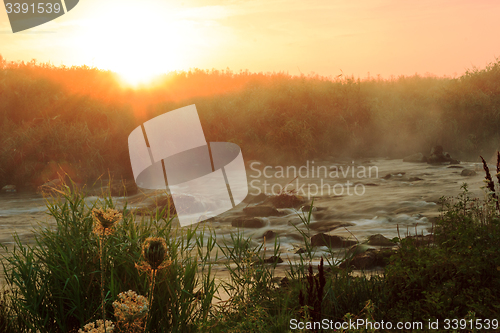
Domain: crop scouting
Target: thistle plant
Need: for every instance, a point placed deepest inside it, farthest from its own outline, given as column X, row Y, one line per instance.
column 154, row 251
column 104, row 222
column 130, row 311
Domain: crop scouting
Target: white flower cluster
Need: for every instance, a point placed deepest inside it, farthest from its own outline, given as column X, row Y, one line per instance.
column 130, row 306
column 98, row 327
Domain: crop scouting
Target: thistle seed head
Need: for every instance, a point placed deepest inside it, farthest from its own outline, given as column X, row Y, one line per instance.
column 154, row 251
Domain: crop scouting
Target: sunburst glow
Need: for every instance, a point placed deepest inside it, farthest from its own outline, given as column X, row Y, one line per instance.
column 138, row 43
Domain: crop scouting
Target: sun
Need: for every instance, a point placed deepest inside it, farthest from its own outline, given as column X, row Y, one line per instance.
column 137, row 42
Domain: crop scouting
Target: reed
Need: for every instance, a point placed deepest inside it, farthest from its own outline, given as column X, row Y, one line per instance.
column 47, row 111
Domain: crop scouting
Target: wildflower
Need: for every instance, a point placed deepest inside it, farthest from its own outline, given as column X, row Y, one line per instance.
column 130, row 311
column 130, row 306
column 98, row 327
column 105, row 220
column 154, row 251
column 103, row 226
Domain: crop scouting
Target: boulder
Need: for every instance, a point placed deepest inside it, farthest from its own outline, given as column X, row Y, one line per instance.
column 261, row 211
column 414, row 179
column 269, row 235
column 359, row 248
column 248, row 222
column 326, row 226
column 270, row 260
column 468, row 173
column 332, row 241
column 415, row 158
column 369, row 259
column 379, row 240
column 9, row 189
column 286, row 200
column 439, row 157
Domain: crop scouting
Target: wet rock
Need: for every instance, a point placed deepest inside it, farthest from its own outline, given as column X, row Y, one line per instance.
column 326, row 226
column 261, row 211
column 248, row 222
column 379, row 240
column 9, row 189
column 394, row 174
column 269, row 235
column 300, row 251
column 331, row 241
column 468, row 173
column 437, row 150
column 439, row 157
column 273, row 259
column 270, row 260
column 286, row 200
column 369, row 259
column 359, row 248
column 455, row 167
column 415, row 158
column 414, row 179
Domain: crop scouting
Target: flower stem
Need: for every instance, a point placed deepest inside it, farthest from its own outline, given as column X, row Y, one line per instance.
column 151, row 290
column 102, row 248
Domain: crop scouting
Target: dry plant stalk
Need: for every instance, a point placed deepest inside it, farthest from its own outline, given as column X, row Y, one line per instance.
column 104, row 222
column 154, row 251
column 489, row 181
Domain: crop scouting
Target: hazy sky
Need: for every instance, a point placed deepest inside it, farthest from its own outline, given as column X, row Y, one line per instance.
column 386, row 37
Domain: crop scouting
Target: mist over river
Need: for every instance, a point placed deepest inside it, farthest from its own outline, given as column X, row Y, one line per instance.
column 371, row 196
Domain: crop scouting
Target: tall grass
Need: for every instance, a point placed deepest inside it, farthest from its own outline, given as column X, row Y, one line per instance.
column 79, row 118
column 55, row 284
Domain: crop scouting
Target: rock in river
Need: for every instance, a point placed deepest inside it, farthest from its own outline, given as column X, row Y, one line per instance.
column 261, row 211
column 331, row 241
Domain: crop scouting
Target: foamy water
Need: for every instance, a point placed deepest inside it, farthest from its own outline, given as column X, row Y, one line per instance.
column 354, row 192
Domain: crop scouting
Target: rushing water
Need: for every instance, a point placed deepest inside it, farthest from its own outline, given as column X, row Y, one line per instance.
column 359, row 192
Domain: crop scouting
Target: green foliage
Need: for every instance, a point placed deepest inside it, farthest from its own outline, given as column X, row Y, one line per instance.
column 55, row 284
column 78, row 119
column 461, row 273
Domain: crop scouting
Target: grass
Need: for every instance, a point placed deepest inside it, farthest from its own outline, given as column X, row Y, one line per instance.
column 55, row 285
column 47, row 111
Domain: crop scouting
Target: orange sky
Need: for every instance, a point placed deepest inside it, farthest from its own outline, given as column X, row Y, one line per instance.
column 387, row 37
